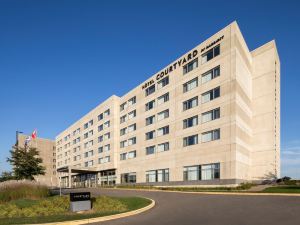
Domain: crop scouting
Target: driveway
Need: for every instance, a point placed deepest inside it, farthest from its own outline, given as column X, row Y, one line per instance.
column 203, row 209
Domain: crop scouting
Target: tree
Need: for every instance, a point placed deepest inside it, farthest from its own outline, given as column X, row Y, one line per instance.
column 6, row 176
column 26, row 163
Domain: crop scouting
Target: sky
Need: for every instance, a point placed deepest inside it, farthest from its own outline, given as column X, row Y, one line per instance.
column 60, row 59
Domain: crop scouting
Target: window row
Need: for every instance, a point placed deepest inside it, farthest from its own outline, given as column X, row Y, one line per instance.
column 160, row 132
column 128, row 129
column 104, row 126
column 128, row 155
column 205, row 97
column 206, row 117
column 160, row 100
column 207, row 76
column 104, row 137
column 159, row 148
column 160, row 116
column 202, row 172
column 130, row 102
column 130, row 141
column 205, row 137
column 160, row 84
column 103, row 115
column 190, row 173
column 128, row 116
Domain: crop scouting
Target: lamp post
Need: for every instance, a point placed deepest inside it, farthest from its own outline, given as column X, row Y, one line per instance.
column 17, row 137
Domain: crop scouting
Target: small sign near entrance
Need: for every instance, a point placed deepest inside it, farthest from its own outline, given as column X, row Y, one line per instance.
column 80, row 201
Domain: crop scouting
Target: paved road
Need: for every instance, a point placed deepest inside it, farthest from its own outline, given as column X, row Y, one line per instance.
column 201, row 209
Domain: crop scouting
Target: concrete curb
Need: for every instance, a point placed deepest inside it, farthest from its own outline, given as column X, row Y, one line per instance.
column 211, row 193
column 104, row 218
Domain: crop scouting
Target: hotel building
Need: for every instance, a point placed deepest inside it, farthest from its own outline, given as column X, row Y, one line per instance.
column 211, row 117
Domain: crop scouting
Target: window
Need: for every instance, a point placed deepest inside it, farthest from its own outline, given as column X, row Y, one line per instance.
column 123, row 118
column 162, row 131
column 211, row 74
column 106, row 148
column 190, row 85
column 123, row 144
column 131, row 128
column 191, row 103
column 106, row 136
column 163, row 82
column 132, row 114
column 128, row 178
column 89, row 163
column 150, row 105
column 106, row 124
column 150, row 120
column 100, row 128
column 210, row 95
column 132, row 101
column 211, row 135
column 131, row 141
column 190, row 140
column 100, row 138
column 123, row 131
column 190, row 66
column 163, row 147
column 89, row 153
column 100, row 149
column 150, row 150
column 191, row 173
column 150, row 135
column 211, row 115
column 211, row 54
column 131, row 154
column 210, row 171
column 85, row 135
column 161, row 175
column 106, row 113
column 163, row 115
column 190, row 122
column 84, row 126
column 104, row 160
column 100, row 117
column 150, row 90
column 123, row 106
column 162, row 99
column 123, row 156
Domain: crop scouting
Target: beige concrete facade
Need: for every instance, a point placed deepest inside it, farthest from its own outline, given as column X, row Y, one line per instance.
column 47, row 152
column 234, row 135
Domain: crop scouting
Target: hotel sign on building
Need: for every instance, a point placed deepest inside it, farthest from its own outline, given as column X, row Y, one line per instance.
column 211, row 117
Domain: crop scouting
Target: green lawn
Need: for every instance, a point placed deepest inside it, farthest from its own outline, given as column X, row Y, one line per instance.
column 55, row 209
column 283, row 189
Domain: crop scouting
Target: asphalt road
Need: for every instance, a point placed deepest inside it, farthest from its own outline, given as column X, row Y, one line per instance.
column 203, row 209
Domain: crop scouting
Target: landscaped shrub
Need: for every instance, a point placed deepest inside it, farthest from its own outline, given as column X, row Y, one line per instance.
column 245, row 186
column 13, row 190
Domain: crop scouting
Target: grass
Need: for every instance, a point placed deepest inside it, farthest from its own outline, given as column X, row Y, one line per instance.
column 55, row 209
column 13, row 190
column 283, row 189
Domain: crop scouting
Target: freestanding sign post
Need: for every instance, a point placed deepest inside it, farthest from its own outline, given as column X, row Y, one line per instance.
column 80, row 201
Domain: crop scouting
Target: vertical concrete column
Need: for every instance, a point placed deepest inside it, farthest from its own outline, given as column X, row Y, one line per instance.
column 69, row 177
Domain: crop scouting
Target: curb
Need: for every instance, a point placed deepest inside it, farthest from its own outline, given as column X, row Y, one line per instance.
column 103, row 218
column 211, row 193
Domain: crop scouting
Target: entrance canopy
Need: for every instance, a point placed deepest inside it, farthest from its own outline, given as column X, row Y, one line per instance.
column 80, row 170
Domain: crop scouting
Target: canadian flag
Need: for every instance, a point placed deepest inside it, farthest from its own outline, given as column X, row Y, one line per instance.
column 34, row 134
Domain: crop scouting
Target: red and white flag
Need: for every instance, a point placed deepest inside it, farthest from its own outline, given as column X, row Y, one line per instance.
column 34, row 134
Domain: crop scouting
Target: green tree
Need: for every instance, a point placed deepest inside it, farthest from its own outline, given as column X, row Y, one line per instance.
column 26, row 163
column 5, row 175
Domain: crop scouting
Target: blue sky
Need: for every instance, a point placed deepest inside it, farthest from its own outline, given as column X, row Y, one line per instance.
column 59, row 59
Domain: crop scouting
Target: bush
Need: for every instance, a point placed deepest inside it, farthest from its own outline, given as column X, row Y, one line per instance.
column 245, row 186
column 13, row 190
column 290, row 182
